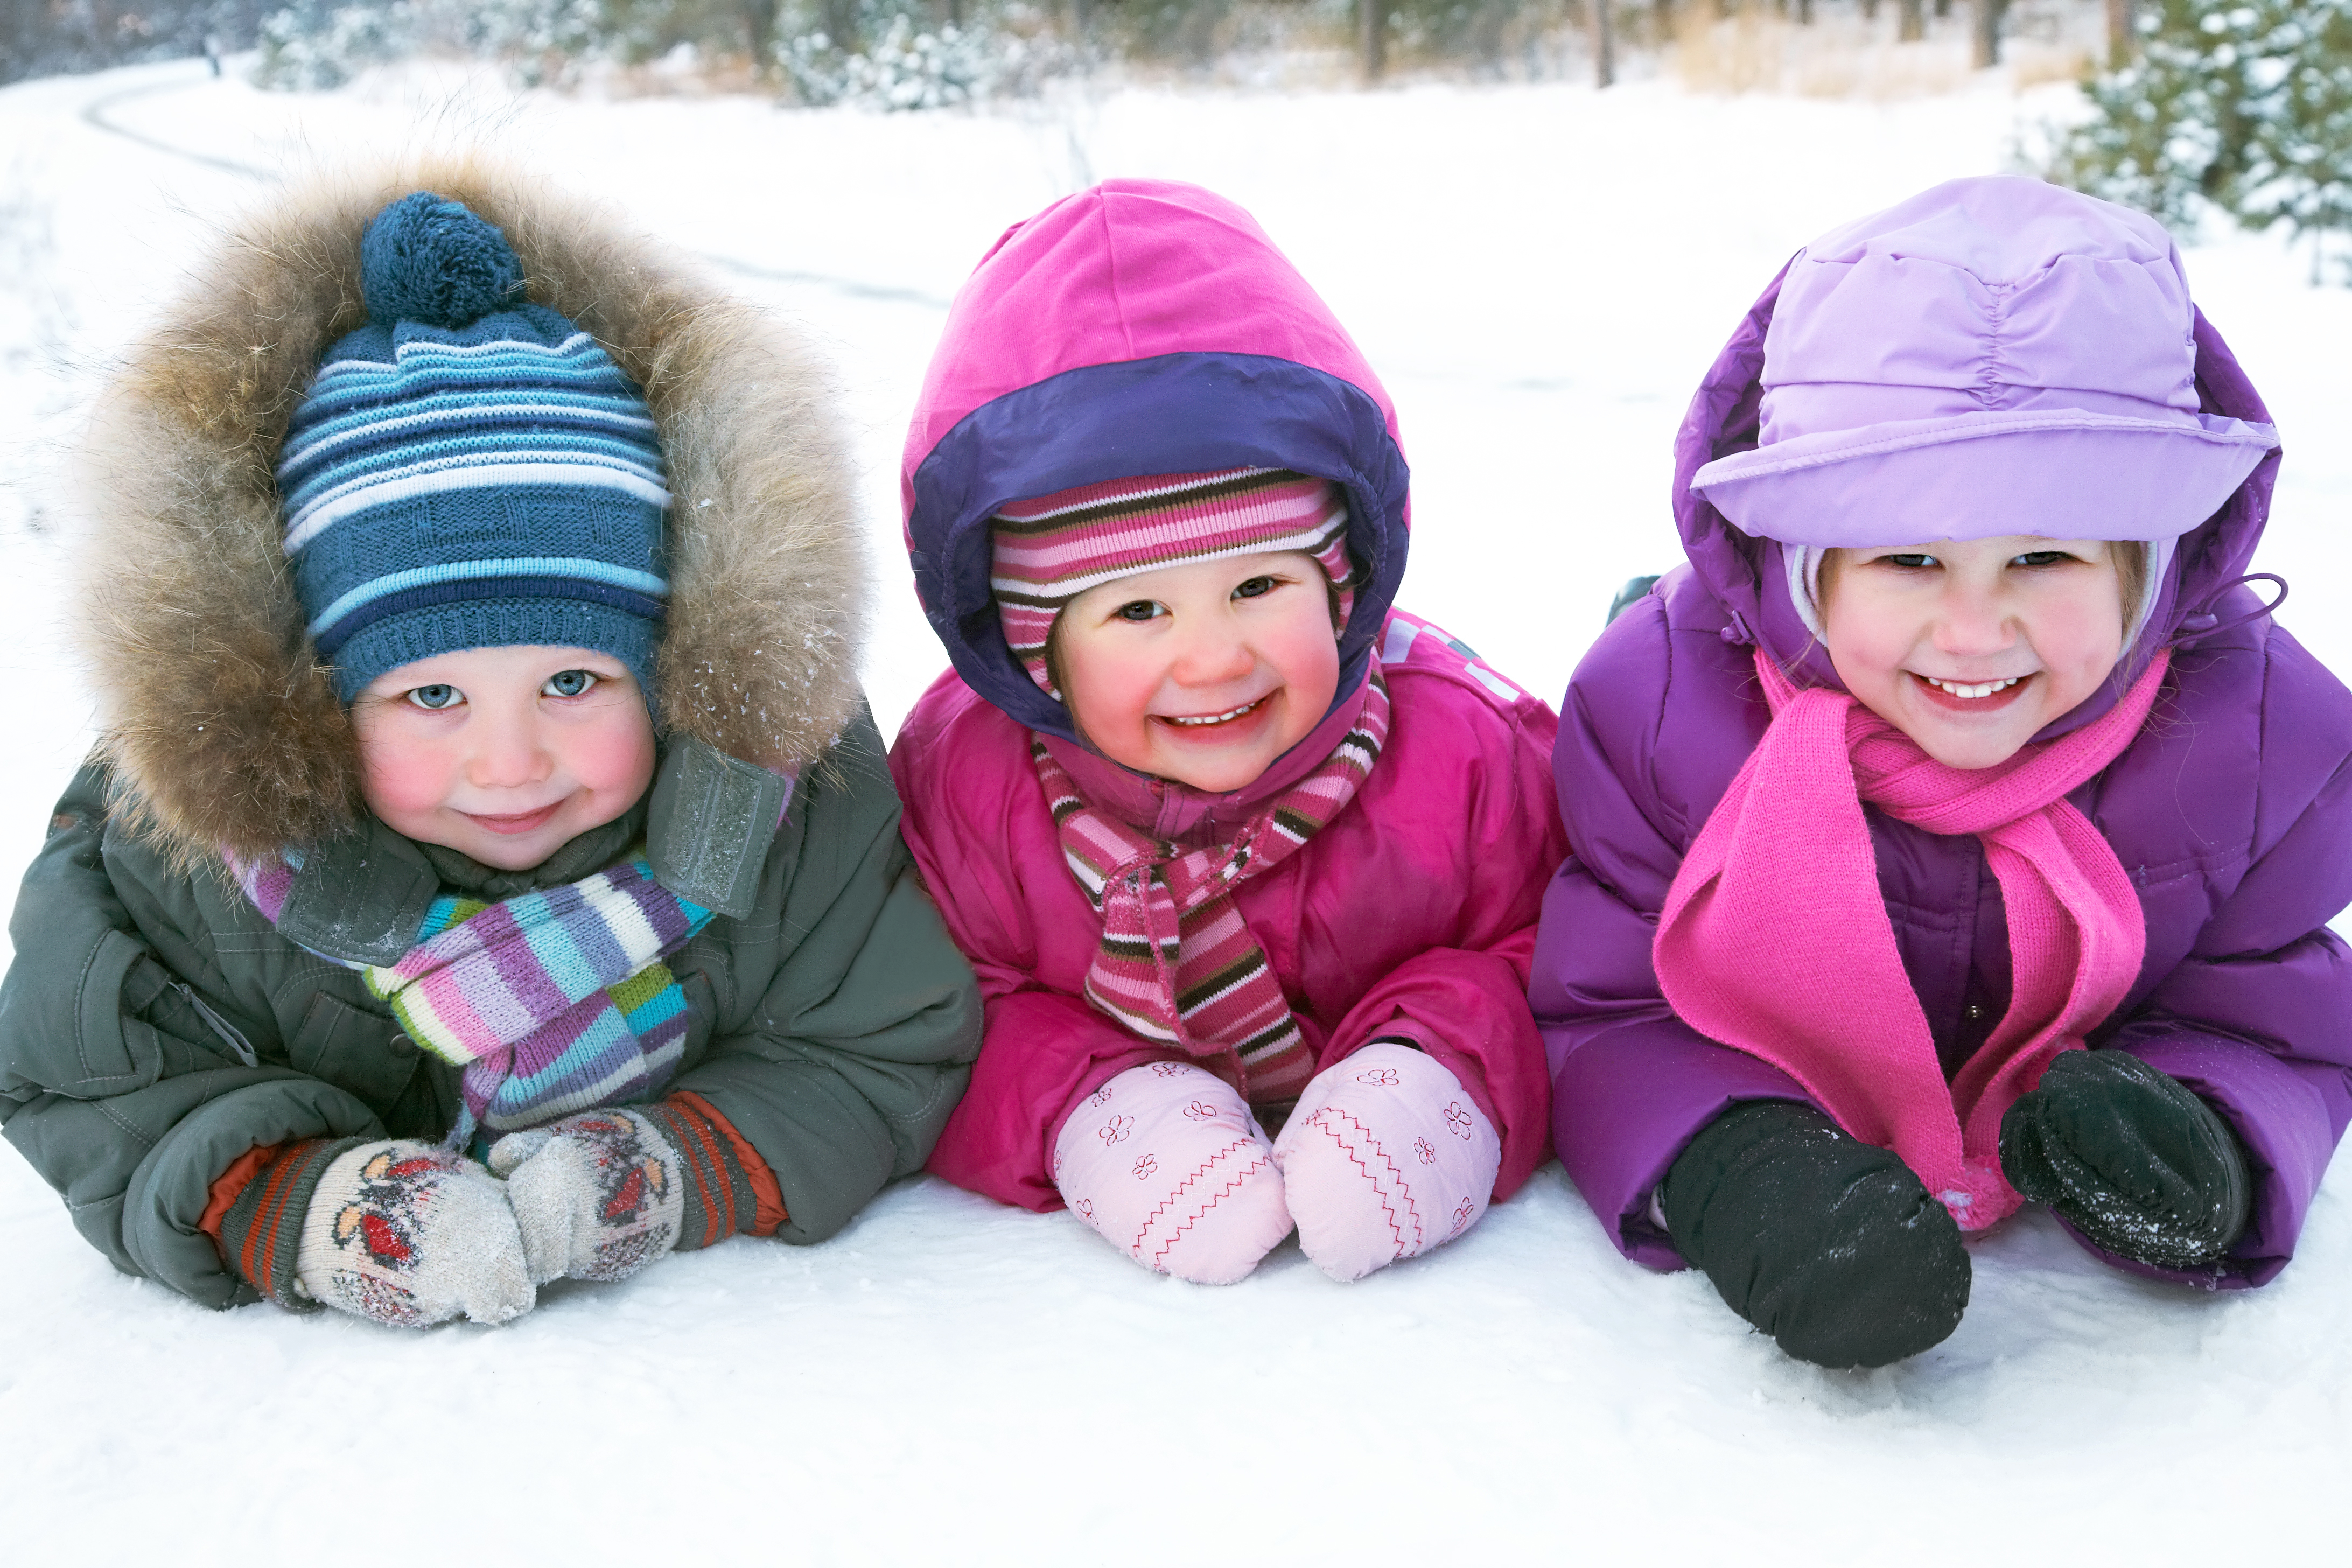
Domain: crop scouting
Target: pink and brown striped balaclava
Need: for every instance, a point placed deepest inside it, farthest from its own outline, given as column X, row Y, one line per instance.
column 1051, row 549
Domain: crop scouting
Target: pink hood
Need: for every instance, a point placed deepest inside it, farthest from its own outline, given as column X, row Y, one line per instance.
column 1142, row 327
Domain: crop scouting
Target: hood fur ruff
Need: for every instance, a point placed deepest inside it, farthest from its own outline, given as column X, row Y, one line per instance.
column 215, row 710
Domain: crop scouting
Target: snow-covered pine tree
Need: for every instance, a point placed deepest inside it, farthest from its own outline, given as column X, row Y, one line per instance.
column 2298, row 168
column 2241, row 107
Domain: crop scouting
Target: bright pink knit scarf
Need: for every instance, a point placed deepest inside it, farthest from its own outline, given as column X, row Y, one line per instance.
column 1775, row 939
column 1177, row 964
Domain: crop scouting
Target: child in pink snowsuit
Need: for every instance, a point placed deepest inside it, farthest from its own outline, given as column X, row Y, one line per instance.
column 1231, row 844
column 1958, row 829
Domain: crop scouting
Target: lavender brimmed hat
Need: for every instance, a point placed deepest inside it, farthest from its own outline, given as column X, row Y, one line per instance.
column 1992, row 356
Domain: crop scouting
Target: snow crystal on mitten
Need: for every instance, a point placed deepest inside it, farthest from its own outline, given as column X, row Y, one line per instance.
column 1385, row 1157
column 408, row 1234
column 1166, row 1162
column 2131, row 1157
column 597, row 1196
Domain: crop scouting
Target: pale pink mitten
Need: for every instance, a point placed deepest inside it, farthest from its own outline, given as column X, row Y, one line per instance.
column 1384, row 1157
column 1166, row 1162
column 409, row 1233
column 597, row 1196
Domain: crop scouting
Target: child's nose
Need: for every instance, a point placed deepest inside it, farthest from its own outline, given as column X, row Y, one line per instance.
column 1971, row 621
column 1214, row 653
column 507, row 758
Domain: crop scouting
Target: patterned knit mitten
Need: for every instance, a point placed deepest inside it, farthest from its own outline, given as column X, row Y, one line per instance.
column 600, row 1195
column 401, row 1232
column 1166, row 1162
column 1385, row 1157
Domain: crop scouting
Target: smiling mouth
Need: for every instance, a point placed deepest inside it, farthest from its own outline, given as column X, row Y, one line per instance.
column 1209, row 720
column 514, row 822
column 1971, row 691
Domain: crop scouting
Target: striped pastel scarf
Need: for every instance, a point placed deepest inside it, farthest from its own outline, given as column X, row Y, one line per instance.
column 1177, row 964
column 551, row 1002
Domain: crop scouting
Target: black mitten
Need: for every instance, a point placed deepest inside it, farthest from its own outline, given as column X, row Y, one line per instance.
column 1827, row 1244
column 2131, row 1158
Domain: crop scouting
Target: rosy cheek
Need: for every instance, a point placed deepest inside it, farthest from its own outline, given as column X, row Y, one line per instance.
column 1307, row 660
column 403, row 777
column 613, row 758
column 1110, row 693
column 1863, row 647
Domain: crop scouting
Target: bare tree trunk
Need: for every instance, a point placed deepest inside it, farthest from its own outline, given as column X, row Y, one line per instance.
column 1943, row 9
column 1804, row 13
column 840, row 17
column 1912, row 27
column 1870, row 10
column 760, row 31
column 1604, row 42
column 2122, row 36
column 1984, row 34
column 1662, row 20
column 1372, row 35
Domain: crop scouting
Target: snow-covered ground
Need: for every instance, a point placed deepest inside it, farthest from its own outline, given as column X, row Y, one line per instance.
column 1541, row 274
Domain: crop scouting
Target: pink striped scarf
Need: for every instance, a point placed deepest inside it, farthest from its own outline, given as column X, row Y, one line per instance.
column 1775, row 939
column 1177, row 964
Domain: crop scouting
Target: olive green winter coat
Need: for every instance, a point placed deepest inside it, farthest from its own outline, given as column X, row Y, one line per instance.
column 154, row 1027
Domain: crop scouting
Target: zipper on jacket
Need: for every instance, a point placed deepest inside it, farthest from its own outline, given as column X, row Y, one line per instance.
column 231, row 1035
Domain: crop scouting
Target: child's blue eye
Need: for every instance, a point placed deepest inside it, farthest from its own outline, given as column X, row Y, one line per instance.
column 1256, row 588
column 1911, row 562
column 434, row 697
column 2042, row 558
column 568, row 683
column 1137, row 610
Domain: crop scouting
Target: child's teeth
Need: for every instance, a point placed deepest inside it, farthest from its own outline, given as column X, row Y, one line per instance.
column 1217, row 718
column 1972, row 692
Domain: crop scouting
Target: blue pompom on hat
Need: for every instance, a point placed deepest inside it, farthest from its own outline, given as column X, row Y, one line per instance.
column 469, row 470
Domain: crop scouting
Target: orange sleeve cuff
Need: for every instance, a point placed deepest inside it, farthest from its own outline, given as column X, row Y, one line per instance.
column 230, row 1183
column 768, row 1199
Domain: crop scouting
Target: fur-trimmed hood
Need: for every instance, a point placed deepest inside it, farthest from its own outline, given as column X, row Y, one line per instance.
column 220, row 722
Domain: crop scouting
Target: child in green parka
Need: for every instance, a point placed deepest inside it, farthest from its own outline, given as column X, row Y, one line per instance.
column 489, row 872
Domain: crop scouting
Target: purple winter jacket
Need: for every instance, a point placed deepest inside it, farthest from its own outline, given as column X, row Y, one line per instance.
column 2231, row 812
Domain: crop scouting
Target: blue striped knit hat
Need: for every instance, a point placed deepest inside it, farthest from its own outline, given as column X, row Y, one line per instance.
column 469, row 470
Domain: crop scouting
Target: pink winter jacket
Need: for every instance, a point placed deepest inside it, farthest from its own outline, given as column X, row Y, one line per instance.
column 1411, row 915
column 1146, row 327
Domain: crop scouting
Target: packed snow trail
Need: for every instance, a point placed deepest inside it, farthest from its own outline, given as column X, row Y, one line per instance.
column 94, row 113
column 951, row 1376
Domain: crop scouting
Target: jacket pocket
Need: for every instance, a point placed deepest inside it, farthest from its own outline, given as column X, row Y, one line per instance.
column 355, row 1050
column 113, row 1053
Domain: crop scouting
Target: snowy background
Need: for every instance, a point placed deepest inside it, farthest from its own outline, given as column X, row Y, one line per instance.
column 1541, row 274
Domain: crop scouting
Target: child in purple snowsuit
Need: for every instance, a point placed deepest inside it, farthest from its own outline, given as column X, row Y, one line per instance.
column 2002, row 379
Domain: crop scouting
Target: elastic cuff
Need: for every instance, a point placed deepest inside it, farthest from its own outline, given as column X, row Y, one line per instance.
column 769, row 1215
column 262, row 1232
column 719, row 1201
